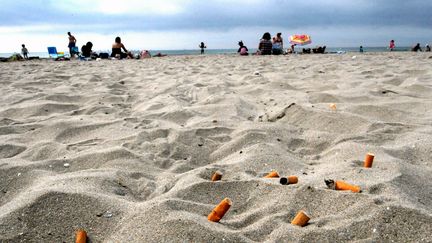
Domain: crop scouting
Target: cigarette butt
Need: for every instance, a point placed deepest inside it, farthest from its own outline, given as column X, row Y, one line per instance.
column 332, row 106
column 219, row 211
column 341, row 185
column 301, row 219
column 81, row 236
column 273, row 174
column 292, row 179
column 217, row 176
column 369, row 160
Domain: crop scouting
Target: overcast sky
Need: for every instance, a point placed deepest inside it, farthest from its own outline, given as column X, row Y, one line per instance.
column 182, row 24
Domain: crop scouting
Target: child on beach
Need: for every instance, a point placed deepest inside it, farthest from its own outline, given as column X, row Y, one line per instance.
column 243, row 50
column 24, row 51
column 361, row 49
column 392, row 45
column 202, row 46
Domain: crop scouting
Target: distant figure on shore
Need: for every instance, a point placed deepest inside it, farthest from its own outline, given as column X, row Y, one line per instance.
column 145, row 54
column 117, row 50
column 265, row 46
column 319, row 50
column 416, row 48
column 428, row 48
column 24, row 51
column 86, row 50
column 392, row 45
column 361, row 49
column 243, row 50
column 277, row 48
column 202, row 46
column 292, row 50
column 72, row 43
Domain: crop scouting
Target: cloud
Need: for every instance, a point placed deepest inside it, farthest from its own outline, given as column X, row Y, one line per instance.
column 115, row 7
column 224, row 21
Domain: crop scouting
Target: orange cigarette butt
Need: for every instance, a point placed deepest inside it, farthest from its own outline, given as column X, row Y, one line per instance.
column 219, row 211
column 301, row 219
column 343, row 186
column 81, row 236
column 273, row 174
column 332, row 106
column 369, row 160
column 292, row 179
column 217, row 176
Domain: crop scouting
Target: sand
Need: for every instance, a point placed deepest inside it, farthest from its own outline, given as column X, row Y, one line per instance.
column 126, row 149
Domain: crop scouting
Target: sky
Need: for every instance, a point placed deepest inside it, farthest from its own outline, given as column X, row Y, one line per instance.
column 183, row 24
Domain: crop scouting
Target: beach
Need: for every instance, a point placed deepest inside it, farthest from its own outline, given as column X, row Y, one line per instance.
column 125, row 149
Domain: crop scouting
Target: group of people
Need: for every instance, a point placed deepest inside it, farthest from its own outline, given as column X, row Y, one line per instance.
column 267, row 46
column 415, row 48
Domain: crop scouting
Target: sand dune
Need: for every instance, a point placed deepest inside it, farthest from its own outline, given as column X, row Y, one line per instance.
column 126, row 149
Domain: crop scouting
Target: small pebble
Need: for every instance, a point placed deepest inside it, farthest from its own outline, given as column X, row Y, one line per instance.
column 66, row 165
column 107, row 214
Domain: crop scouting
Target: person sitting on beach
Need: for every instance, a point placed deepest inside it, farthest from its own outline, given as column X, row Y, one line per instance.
column 160, row 55
column 86, row 50
column 319, row 49
column 416, row 48
column 243, row 50
column 265, row 46
column 428, row 48
column 361, row 49
column 117, row 50
column 72, row 43
column 145, row 54
column 277, row 44
column 24, row 51
column 202, row 46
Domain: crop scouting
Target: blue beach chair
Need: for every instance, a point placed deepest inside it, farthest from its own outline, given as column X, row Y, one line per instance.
column 52, row 52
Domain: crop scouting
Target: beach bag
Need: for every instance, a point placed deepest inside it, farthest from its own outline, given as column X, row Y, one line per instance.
column 104, row 55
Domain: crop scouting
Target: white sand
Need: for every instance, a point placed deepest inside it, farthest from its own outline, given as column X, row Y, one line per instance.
column 142, row 138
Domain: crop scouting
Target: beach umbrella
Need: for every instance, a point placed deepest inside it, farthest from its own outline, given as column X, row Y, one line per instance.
column 300, row 40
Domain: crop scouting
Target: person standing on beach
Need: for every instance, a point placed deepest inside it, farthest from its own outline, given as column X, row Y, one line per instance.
column 202, row 46
column 72, row 43
column 24, row 51
column 392, row 45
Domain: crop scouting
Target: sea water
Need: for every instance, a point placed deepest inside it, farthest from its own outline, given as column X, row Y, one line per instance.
column 230, row 51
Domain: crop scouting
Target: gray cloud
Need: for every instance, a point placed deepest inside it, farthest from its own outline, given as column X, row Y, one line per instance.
column 217, row 15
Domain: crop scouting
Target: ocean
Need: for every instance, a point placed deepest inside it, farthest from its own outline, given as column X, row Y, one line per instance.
column 231, row 51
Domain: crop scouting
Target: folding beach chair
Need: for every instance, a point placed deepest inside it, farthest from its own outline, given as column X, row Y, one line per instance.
column 52, row 52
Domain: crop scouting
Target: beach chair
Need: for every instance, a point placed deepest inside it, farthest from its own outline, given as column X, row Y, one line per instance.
column 52, row 52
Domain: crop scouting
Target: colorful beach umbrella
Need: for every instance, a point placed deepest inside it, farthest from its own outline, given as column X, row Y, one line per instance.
column 300, row 40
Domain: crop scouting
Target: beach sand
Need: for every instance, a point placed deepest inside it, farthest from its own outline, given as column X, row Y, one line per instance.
column 126, row 149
